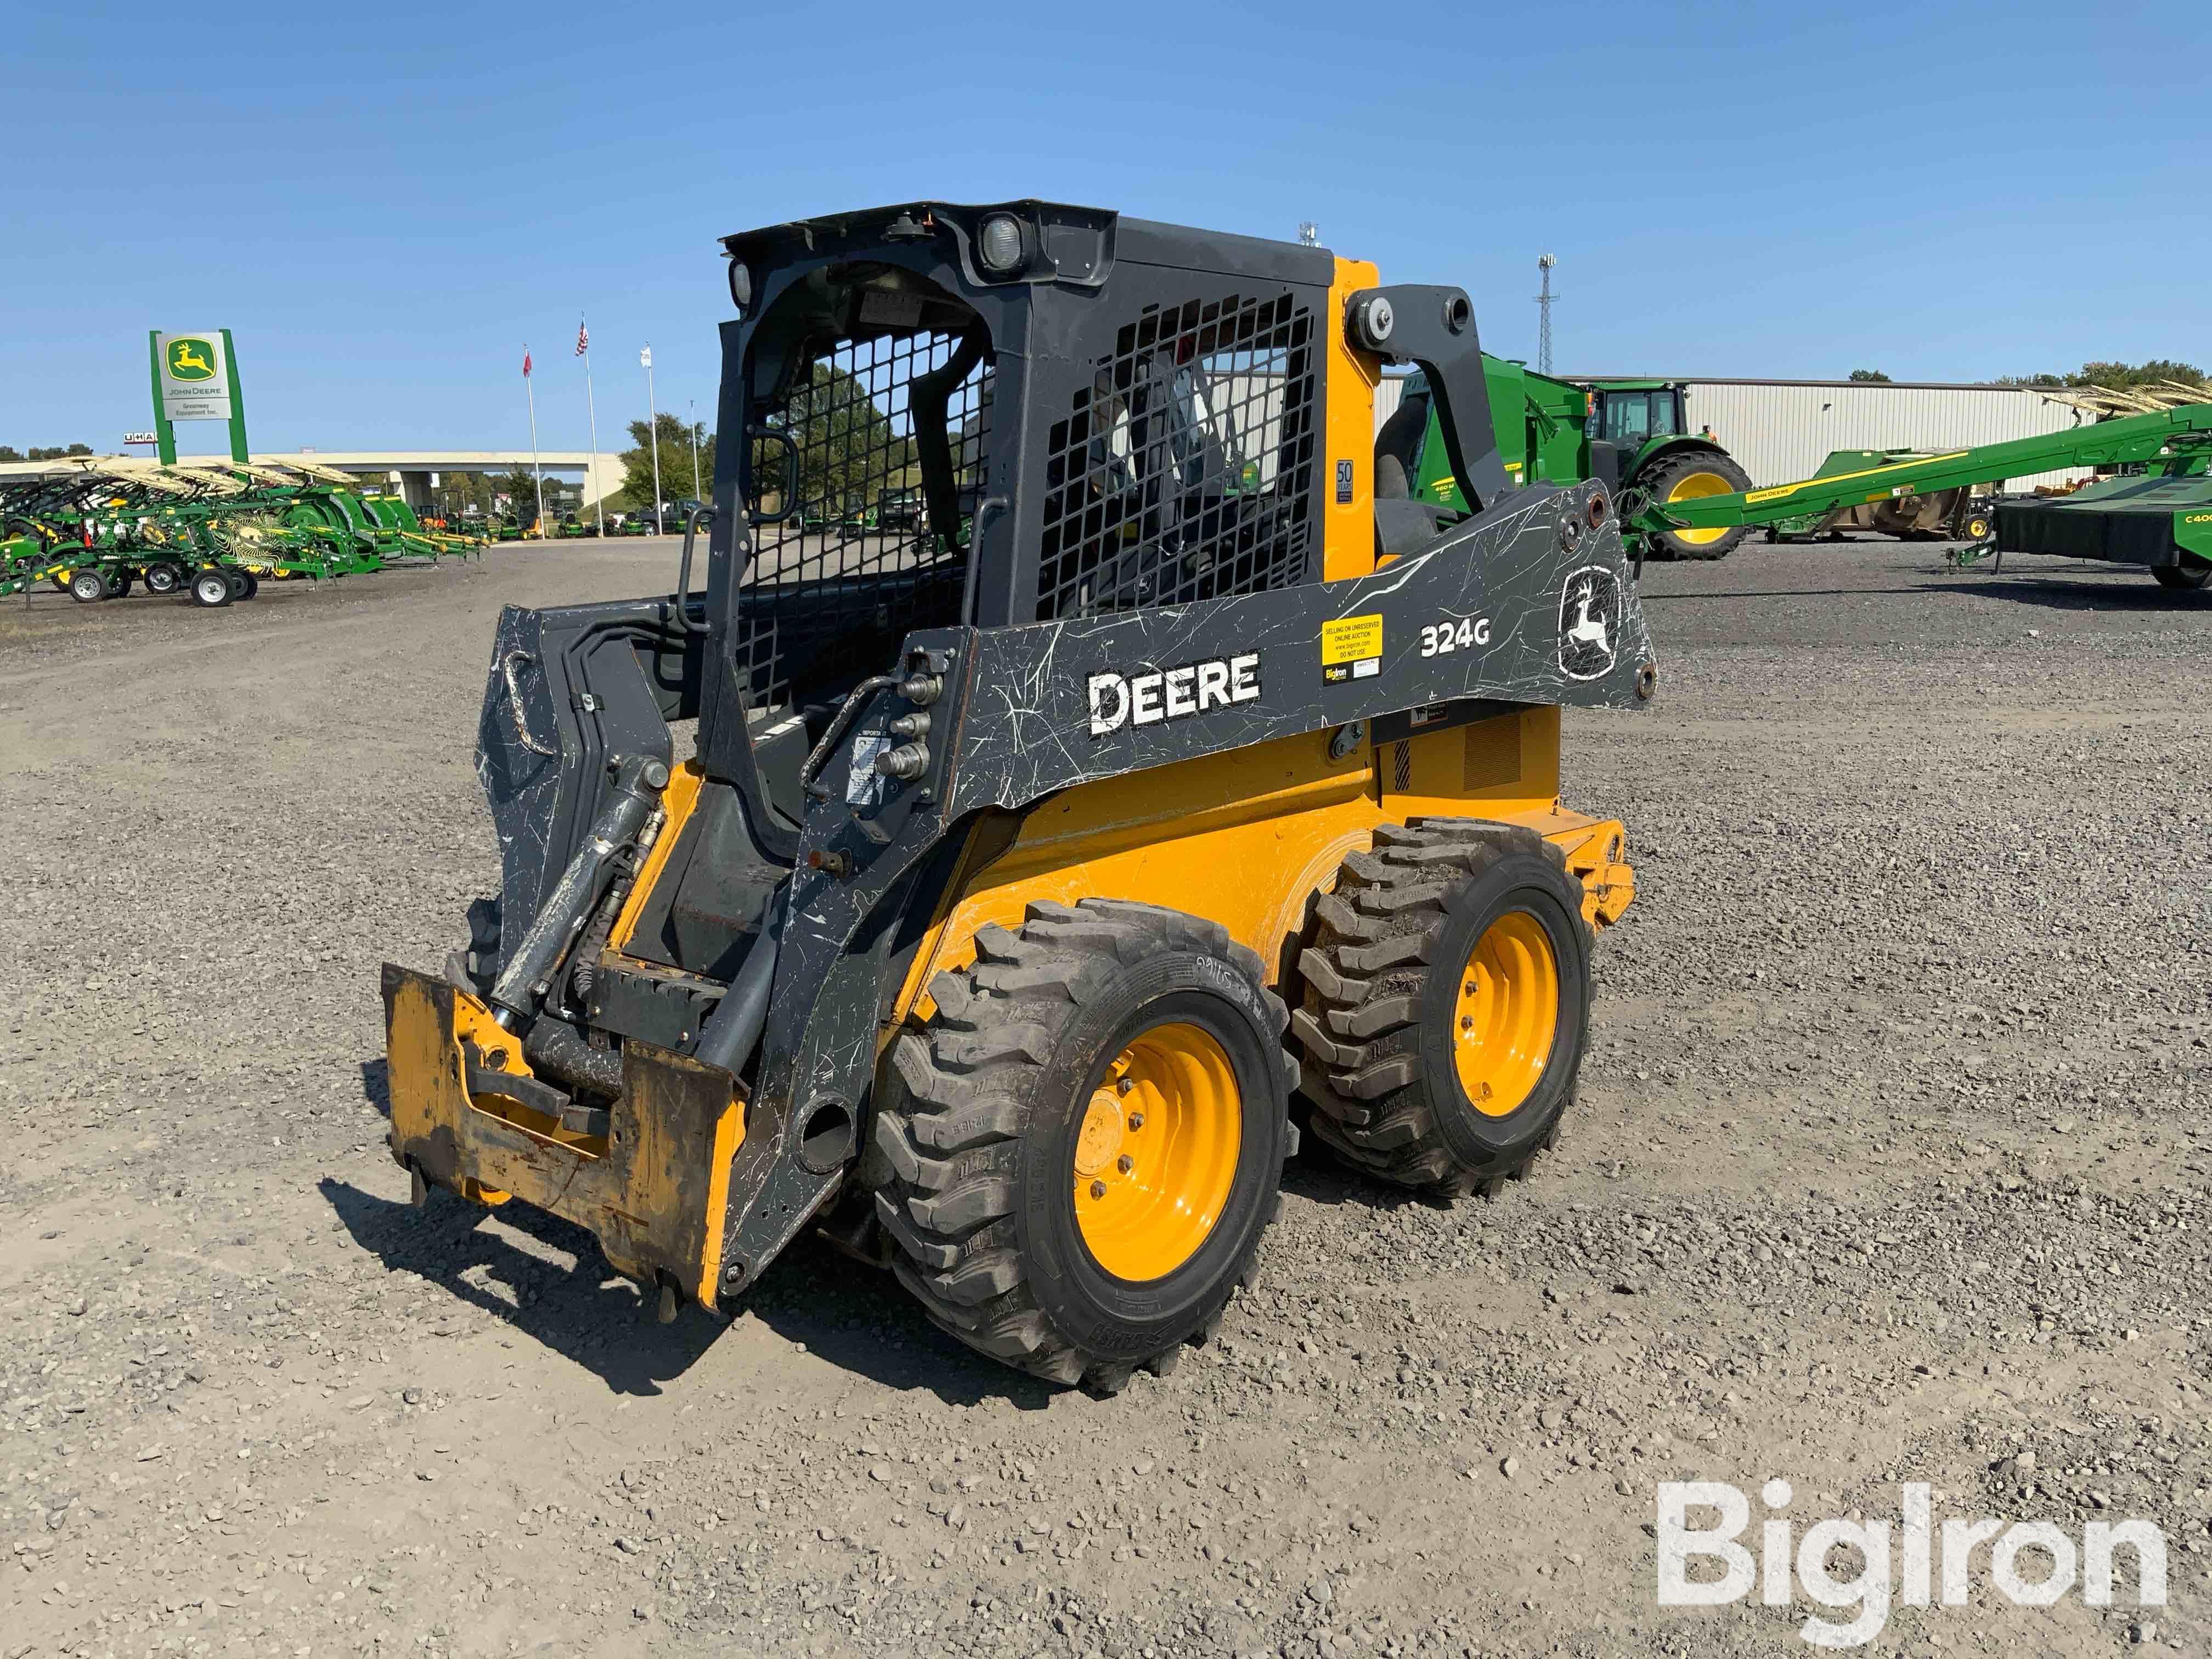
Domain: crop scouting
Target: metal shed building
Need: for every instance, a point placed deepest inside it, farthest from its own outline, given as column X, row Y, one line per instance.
column 1782, row 430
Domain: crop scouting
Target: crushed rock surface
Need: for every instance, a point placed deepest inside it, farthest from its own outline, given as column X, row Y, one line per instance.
column 1890, row 1163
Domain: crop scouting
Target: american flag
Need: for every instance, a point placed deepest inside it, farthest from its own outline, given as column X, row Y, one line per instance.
column 583, row 340
column 525, row 362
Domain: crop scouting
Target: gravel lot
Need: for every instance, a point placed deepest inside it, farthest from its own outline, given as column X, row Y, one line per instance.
column 1890, row 1164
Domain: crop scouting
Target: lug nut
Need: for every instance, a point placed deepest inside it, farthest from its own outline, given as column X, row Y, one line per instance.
column 1125, row 1163
column 1124, row 1084
column 1097, row 1189
column 1136, row 1120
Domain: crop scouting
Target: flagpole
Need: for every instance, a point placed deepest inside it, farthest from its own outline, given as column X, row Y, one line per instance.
column 652, row 426
column 696, row 494
column 529, row 385
column 591, row 408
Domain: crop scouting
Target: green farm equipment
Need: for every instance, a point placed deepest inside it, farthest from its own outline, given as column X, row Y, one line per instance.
column 95, row 534
column 396, row 524
column 97, row 528
column 1960, row 514
column 1628, row 434
column 2162, row 520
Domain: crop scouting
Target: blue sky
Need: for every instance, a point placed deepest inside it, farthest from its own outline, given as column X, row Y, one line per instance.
column 384, row 206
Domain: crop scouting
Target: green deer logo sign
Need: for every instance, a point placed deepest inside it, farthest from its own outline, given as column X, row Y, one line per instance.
column 192, row 359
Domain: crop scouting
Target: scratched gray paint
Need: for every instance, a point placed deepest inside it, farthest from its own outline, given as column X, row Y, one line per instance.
column 1026, row 729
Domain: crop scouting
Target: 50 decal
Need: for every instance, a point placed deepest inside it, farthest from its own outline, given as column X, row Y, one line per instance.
column 1455, row 633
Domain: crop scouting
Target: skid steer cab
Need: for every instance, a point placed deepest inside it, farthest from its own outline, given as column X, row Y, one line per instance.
column 1068, row 759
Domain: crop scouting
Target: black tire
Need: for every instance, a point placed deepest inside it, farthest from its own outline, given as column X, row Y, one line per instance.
column 238, row 579
column 252, row 583
column 85, row 586
column 163, row 579
column 1383, row 979
column 973, row 1152
column 119, row 585
column 2191, row 573
column 210, row 589
column 1665, row 476
column 1977, row 527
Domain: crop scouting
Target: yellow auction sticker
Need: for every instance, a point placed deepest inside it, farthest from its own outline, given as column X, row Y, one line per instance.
column 1351, row 648
column 1349, row 638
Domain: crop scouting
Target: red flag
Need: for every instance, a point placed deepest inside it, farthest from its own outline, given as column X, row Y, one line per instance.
column 583, row 340
column 525, row 362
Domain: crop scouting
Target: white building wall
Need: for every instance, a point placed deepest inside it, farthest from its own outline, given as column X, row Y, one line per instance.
column 1387, row 395
column 1782, row 430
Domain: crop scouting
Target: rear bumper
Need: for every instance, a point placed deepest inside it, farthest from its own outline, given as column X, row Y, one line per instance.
column 651, row 1183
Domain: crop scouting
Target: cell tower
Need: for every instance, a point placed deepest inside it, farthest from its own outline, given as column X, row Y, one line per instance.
column 1544, row 263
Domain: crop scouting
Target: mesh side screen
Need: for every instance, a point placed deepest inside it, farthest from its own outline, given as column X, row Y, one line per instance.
column 829, row 592
column 1185, row 469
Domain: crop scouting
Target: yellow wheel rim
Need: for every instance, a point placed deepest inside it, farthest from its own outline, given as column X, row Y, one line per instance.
column 1156, row 1153
column 1506, row 1014
column 1688, row 488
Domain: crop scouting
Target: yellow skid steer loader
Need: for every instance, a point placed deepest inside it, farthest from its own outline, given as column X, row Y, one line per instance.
column 978, row 883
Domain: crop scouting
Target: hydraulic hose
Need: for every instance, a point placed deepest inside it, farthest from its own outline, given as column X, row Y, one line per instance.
column 558, row 1048
column 733, row 1030
column 529, row 972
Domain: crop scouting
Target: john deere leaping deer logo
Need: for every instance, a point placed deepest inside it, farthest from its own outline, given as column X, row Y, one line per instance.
column 1589, row 619
column 192, row 360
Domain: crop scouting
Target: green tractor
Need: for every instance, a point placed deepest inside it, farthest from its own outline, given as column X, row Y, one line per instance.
column 1629, row 435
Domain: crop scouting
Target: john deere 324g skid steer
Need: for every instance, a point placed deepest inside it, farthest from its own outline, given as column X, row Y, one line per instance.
column 1020, row 859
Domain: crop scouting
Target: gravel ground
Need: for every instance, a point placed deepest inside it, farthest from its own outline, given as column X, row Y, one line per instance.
column 1890, row 1164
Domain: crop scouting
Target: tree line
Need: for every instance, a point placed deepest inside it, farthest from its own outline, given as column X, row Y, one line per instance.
column 2111, row 377
column 2114, row 377
column 10, row 454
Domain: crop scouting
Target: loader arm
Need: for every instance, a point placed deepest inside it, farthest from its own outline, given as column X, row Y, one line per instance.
column 2108, row 443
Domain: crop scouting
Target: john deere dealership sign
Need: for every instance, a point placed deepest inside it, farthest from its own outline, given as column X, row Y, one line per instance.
column 195, row 386
column 196, row 379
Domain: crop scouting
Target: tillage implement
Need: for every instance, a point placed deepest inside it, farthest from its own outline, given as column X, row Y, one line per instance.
column 977, row 882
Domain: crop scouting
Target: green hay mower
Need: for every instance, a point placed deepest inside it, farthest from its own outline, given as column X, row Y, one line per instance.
column 2156, row 512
